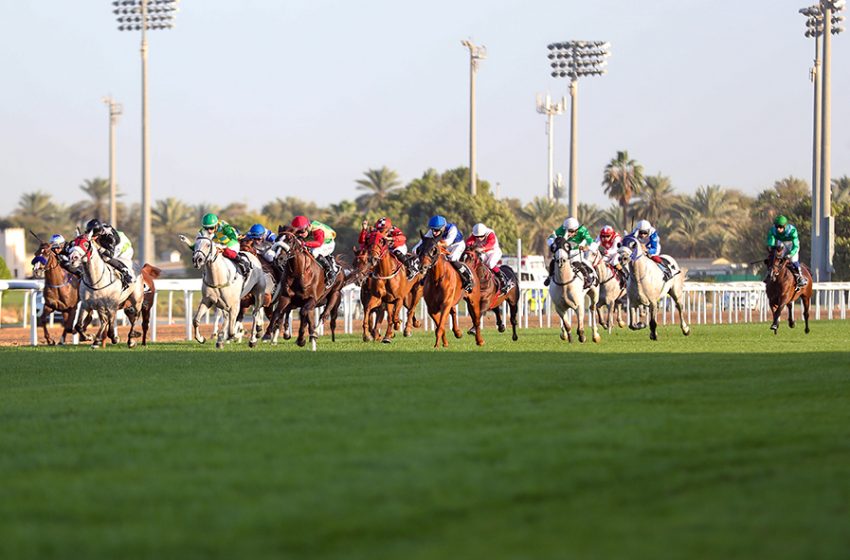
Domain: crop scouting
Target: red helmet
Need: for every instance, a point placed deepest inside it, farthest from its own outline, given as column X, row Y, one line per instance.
column 300, row 222
column 606, row 231
column 383, row 225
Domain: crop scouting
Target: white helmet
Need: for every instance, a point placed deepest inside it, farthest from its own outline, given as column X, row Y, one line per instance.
column 570, row 224
column 644, row 225
column 57, row 241
column 479, row 230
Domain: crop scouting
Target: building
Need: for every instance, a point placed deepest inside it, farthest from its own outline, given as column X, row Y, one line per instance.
column 13, row 249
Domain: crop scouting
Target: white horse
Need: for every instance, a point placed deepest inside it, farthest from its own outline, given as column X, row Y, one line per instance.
column 647, row 285
column 610, row 292
column 567, row 292
column 224, row 288
column 101, row 290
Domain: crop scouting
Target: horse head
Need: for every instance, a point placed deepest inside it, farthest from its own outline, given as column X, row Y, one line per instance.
column 428, row 252
column 561, row 249
column 41, row 259
column 80, row 250
column 629, row 248
column 361, row 264
column 204, row 251
column 376, row 247
column 776, row 261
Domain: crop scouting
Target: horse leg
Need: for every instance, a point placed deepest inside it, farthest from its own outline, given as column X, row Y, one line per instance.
column 440, row 327
column 500, row 323
column 791, row 322
column 411, row 321
column 368, row 308
column 594, row 307
column 146, row 321
column 566, row 328
column 777, row 311
column 651, row 312
column 306, row 316
column 132, row 314
column 196, row 320
column 807, row 301
column 456, row 324
column 580, row 320
column 512, row 309
column 391, row 312
column 677, row 299
column 43, row 318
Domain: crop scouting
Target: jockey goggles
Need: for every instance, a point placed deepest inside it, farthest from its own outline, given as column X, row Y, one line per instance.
column 643, row 232
column 572, row 230
column 436, row 231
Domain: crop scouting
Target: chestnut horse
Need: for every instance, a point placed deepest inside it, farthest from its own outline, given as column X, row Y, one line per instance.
column 302, row 285
column 443, row 290
column 491, row 297
column 61, row 291
column 782, row 289
column 387, row 284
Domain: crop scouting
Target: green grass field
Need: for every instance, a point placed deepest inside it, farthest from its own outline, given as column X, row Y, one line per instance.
column 732, row 443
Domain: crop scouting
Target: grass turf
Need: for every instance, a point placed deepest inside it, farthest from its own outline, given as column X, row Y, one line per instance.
column 731, row 443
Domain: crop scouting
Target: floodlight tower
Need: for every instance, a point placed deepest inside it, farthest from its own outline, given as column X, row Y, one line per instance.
column 576, row 59
column 145, row 15
column 115, row 110
column 546, row 107
column 476, row 53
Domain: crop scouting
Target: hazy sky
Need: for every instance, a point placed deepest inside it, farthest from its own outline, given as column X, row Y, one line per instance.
column 255, row 99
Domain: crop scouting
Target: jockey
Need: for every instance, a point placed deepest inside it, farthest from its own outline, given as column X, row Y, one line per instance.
column 397, row 242
column 58, row 245
column 484, row 239
column 449, row 236
column 263, row 239
column 319, row 238
column 577, row 235
column 115, row 248
column 225, row 234
column 608, row 241
column 784, row 234
column 648, row 237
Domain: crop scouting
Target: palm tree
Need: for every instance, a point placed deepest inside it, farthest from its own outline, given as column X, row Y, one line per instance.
column 841, row 189
column 590, row 216
column 715, row 205
column 378, row 184
column 37, row 212
column 538, row 219
column 689, row 232
column 656, row 199
column 623, row 179
column 170, row 218
column 280, row 211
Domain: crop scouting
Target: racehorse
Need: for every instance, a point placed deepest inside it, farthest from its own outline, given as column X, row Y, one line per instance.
column 387, row 284
column 491, row 297
column 101, row 290
column 782, row 289
column 567, row 292
column 443, row 290
column 610, row 295
column 302, row 285
column 272, row 276
column 647, row 286
column 224, row 288
column 61, row 292
column 149, row 274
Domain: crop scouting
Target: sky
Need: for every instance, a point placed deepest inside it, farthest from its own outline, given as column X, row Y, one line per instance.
column 256, row 99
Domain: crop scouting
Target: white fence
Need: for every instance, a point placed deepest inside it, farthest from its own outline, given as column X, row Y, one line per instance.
column 705, row 303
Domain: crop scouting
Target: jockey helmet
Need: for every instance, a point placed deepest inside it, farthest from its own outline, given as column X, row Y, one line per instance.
column 571, row 224
column 781, row 221
column 437, row 222
column 644, row 226
column 383, row 224
column 94, row 226
column 606, row 231
column 479, row 230
column 56, row 241
column 300, row 223
column 256, row 232
column 209, row 221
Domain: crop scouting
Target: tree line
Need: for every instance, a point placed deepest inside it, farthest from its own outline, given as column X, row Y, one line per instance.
column 712, row 222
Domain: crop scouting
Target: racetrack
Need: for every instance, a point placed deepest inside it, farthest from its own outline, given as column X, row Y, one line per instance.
column 731, row 443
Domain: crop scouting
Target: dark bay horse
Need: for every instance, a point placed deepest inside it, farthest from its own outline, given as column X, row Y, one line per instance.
column 443, row 290
column 302, row 285
column 782, row 289
column 61, row 292
column 491, row 297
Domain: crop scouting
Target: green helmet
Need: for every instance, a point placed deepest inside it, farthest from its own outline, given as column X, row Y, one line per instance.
column 209, row 220
column 780, row 221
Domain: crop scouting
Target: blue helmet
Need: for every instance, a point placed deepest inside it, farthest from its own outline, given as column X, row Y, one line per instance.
column 437, row 222
column 257, row 231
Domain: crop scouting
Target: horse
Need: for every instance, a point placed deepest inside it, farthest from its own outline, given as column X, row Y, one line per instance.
column 443, row 290
column 782, row 289
column 610, row 295
column 224, row 288
column 101, row 290
column 646, row 286
column 302, row 285
column 491, row 297
column 567, row 292
column 61, row 292
column 272, row 276
column 387, row 284
column 149, row 273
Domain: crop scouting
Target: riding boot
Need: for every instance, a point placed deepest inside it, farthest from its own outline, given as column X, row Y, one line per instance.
column 243, row 265
column 412, row 264
column 326, row 265
column 551, row 272
column 504, row 282
column 798, row 275
column 590, row 279
column 121, row 268
column 465, row 276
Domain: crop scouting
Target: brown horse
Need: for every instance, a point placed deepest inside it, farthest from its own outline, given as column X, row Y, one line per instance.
column 61, row 292
column 491, row 297
column 302, row 285
column 443, row 290
column 387, row 284
column 149, row 274
column 782, row 290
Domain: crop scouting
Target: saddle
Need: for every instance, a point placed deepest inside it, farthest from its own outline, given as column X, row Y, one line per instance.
column 670, row 268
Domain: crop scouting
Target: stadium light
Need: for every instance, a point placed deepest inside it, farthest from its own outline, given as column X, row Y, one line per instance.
column 546, row 107
column 476, row 53
column 115, row 110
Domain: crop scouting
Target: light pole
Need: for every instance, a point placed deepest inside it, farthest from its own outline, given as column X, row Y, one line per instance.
column 145, row 15
column 114, row 111
column 546, row 107
column 476, row 53
column 575, row 59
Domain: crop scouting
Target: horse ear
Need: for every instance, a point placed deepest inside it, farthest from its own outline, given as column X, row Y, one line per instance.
column 619, row 245
column 421, row 235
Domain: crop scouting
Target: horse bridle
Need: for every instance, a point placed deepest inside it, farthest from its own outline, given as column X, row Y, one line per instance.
column 209, row 257
column 55, row 265
column 85, row 245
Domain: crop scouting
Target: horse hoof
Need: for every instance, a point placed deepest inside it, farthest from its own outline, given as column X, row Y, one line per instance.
column 514, row 337
column 287, row 337
column 252, row 343
column 131, row 343
column 407, row 334
column 792, row 325
column 471, row 331
column 501, row 328
column 582, row 338
column 458, row 334
column 597, row 338
column 807, row 330
column 301, row 342
column 416, row 323
column 653, row 336
column 687, row 332
column 563, row 335
column 387, row 341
